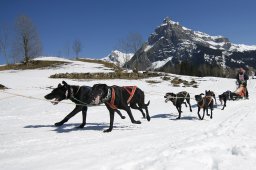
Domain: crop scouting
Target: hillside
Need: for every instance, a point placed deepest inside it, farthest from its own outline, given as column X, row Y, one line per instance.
column 29, row 139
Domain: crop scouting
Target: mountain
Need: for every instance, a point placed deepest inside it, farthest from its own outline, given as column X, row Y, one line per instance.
column 118, row 58
column 175, row 48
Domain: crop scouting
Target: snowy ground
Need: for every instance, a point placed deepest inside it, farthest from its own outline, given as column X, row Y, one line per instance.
column 28, row 139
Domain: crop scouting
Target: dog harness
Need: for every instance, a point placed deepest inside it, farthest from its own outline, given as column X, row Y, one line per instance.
column 112, row 101
column 130, row 90
column 176, row 97
column 202, row 106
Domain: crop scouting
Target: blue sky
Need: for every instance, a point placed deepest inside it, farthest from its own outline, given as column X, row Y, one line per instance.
column 100, row 24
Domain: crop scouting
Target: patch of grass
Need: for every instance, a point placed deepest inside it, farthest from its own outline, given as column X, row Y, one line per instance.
column 176, row 82
column 35, row 64
column 111, row 75
column 166, row 78
column 2, row 87
column 153, row 81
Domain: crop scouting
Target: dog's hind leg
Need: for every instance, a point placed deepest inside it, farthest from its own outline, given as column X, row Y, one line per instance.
column 185, row 104
column 179, row 110
column 119, row 113
column 188, row 101
column 128, row 110
column 134, row 106
column 71, row 114
column 148, row 117
column 84, row 114
column 211, row 107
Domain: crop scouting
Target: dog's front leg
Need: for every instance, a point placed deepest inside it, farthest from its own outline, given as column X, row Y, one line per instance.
column 84, row 114
column 198, row 110
column 111, row 116
column 211, row 111
column 71, row 114
column 120, row 114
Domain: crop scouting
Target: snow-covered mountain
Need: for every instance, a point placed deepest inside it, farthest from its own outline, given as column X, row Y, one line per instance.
column 172, row 43
column 117, row 57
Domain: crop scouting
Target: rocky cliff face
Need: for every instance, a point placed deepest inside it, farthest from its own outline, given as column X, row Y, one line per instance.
column 172, row 44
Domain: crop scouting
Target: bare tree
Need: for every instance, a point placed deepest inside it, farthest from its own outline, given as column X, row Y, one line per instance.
column 131, row 44
column 4, row 42
column 76, row 47
column 27, row 44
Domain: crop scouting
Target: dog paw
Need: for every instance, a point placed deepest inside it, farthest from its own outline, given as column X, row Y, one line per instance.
column 80, row 126
column 107, row 130
column 137, row 122
column 148, row 118
column 58, row 124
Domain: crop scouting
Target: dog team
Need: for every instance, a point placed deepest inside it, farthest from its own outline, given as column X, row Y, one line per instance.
column 127, row 97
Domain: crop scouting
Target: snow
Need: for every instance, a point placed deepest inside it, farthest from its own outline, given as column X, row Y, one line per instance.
column 242, row 47
column 30, row 141
column 160, row 63
column 50, row 58
column 148, row 47
column 211, row 41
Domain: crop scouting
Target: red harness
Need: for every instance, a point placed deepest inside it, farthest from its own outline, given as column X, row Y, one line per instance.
column 130, row 90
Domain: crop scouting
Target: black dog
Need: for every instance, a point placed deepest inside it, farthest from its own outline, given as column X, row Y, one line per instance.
column 178, row 100
column 77, row 94
column 228, row 95
column 205, row 103
column 116, row 97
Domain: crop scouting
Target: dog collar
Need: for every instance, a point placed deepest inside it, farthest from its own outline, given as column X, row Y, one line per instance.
column 71, row 93
column 107, row 97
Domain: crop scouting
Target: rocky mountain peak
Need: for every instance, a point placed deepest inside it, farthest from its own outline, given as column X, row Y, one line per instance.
column 171, row 44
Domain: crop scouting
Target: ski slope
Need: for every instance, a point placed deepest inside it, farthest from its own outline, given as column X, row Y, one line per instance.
column 29, row 139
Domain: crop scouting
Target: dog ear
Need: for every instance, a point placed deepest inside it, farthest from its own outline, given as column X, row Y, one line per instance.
column 105, row 87
column 59, row 85
column 65, row 84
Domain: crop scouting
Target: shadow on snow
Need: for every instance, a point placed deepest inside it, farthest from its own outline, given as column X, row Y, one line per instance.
column 69, row 127
column 173, row 116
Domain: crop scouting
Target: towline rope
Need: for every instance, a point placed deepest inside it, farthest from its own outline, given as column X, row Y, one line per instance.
column 36, row 98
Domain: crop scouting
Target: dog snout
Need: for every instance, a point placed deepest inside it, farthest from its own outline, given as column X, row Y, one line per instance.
column 48, row 97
